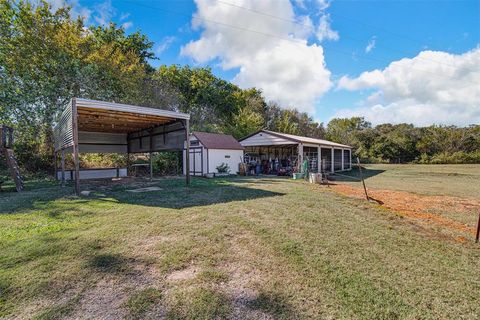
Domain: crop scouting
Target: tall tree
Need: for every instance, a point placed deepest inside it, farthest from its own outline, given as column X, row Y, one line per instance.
column 344, row 130
column 46, row 58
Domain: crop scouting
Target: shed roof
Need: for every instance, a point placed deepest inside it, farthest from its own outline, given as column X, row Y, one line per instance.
column 299, row 139
column 218, row 141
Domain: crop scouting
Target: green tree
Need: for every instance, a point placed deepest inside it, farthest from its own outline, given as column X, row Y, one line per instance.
column 46, row 58
column 344, row 130
column 210, row 101
column 245, row 122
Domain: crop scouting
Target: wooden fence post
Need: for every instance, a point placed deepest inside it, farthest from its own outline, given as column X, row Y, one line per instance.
column 363, row 181
column 478, row 228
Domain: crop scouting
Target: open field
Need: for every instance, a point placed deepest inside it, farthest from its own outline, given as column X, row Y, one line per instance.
column 460, row 180
column 443, row 196
column 229, row 248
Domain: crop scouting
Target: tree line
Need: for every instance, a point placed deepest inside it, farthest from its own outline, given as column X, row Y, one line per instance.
column 47, row 57
column 402, row 143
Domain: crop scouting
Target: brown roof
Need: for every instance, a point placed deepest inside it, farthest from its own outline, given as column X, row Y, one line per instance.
column 218, row 141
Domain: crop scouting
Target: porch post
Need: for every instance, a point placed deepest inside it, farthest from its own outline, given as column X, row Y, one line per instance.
column 350, row 159
column 300, row 157
column 343, row 157
column 319, row 159
column 332, row 166
column 76, row 159
column 187, row 152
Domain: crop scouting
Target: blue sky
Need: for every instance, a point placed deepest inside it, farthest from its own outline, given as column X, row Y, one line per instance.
column 439, row 39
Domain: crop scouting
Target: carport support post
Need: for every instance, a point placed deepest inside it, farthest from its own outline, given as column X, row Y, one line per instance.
column 187, row 152
column 63, row 167
column 332, row 166
column 150, row 153
column 55, row 160
column 76, row 159
column 151, row 164
column 343, row 160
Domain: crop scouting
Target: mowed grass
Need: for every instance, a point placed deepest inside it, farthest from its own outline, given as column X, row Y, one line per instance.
column 225, row 248
column 459, row 180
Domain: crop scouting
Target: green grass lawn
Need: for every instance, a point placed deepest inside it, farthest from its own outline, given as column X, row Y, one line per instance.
column 460, row 180
column 226, row 248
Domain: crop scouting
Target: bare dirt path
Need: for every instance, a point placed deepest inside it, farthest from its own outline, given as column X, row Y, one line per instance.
column 423, row 207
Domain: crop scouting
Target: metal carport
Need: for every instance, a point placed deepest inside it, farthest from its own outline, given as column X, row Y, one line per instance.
column 90, row 126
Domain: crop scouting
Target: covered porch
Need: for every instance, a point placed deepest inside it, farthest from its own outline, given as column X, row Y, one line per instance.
column 282, row 154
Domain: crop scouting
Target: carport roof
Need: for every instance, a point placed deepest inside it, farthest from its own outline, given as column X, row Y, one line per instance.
column 101, row 116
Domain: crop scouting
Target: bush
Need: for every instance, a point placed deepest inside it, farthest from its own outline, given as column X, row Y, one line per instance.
column 167, row 163
column 223, row 168
column 459, row 157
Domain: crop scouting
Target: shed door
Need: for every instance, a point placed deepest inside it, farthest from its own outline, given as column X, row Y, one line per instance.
column 196, row 161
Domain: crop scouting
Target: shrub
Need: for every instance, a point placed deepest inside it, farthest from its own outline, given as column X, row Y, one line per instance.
column 223, row 168
column 167, row 163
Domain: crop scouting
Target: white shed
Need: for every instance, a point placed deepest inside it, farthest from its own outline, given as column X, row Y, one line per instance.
column 210, row 150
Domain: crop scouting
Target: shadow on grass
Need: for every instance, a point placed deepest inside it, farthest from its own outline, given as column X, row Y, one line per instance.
column 273, row 304
column 108, row 263
column 36, row 196
column 173, row 194
column 202, row 192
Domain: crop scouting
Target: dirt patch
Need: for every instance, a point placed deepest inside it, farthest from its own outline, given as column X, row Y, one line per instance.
column 184, row 274
column 106, row 299
column 419, row 206
column 241, row 294
column 146, row 189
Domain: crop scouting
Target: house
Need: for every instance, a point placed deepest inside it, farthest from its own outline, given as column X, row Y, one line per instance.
column 210, row 150
column 278, row 153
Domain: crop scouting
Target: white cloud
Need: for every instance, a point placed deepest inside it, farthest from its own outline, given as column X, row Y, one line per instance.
column 127, row 25
column 300, row 3
column 77, row 9
column 371, row 44
column 164, row 44
column 104, row 12
column 433, row 87
column 101, row 13
column 323, row 4
column 275, row 58
column 124, row 16
column 324, row 31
